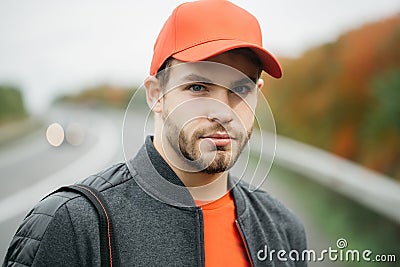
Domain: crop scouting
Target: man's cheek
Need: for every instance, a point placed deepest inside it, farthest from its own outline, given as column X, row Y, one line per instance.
column 187, row 112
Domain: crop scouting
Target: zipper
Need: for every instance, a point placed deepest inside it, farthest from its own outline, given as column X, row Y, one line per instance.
column 201, row 236
column 244, row 242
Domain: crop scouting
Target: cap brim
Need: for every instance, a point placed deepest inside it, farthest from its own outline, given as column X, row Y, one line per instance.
column 205, row 50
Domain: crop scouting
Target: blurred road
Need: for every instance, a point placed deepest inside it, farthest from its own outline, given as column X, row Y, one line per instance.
column 32, row 168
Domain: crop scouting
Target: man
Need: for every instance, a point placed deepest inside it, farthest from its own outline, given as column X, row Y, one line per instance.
column 175, row 203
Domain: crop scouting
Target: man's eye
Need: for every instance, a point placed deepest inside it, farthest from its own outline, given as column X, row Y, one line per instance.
column 196, row 88
column 241, row 90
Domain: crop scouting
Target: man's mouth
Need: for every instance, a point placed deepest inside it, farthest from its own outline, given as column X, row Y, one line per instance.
column 218, row 139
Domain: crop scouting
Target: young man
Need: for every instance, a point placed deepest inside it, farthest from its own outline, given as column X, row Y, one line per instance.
column 174, row 203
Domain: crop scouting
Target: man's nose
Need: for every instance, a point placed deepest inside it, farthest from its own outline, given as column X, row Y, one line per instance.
column 219, row 107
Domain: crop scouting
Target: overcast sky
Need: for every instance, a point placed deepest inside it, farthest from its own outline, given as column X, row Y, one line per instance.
column 49, row 47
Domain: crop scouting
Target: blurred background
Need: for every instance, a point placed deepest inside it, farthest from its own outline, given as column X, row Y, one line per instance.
column 69, row 69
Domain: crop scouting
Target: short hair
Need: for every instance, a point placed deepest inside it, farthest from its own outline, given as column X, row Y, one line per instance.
column 163, row 73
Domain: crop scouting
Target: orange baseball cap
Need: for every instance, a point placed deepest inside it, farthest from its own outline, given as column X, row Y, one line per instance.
column 198, row 30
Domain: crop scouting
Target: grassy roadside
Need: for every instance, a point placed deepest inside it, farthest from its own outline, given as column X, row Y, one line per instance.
column 340, row 217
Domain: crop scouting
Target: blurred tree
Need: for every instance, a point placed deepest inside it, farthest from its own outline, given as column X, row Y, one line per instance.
column 381, row 131
column 385, row 113
column 11, row 103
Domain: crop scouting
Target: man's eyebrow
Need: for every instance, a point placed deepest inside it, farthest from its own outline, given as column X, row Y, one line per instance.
column 244, row 81
column 196, row 78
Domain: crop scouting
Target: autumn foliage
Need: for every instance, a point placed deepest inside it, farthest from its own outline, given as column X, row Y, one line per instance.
column 345, row 96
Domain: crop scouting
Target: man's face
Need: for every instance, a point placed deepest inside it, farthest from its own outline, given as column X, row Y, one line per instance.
column 208, row 111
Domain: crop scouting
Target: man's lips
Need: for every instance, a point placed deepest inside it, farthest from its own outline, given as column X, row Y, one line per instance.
column 218, row 136
column 218, row 139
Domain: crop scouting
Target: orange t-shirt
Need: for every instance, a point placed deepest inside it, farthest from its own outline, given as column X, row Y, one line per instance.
column 222, row 241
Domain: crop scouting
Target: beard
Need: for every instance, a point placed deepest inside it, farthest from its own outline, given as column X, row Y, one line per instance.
column 218, row 159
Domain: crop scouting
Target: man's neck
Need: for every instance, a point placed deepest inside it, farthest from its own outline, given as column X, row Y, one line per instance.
column 204, row 186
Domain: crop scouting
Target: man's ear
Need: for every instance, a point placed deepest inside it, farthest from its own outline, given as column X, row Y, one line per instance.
column 260, row 84
column 153, row 93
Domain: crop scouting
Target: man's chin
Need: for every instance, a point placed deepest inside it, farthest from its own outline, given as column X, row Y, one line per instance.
column 217, row 166
column 214, row 170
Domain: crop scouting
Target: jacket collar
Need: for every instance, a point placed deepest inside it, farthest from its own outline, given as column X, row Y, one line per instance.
column 160, row 165
column 238, row 194
column 157, row 179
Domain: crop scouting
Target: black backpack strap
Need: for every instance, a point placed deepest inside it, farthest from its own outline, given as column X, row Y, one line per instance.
column 108, row 247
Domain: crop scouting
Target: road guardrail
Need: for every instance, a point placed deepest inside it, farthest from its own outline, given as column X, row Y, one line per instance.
column 373, row 190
